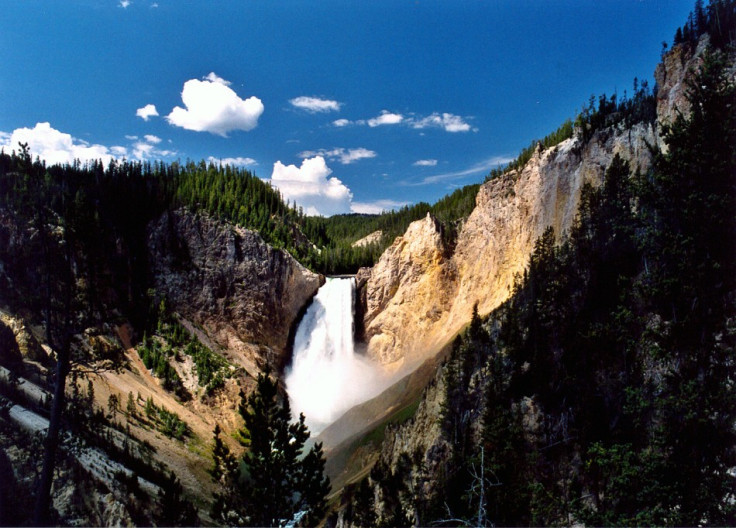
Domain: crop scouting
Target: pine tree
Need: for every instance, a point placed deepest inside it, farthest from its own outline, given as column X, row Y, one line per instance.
column 280, row 482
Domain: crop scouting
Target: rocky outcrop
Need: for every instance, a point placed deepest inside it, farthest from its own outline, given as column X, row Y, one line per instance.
column 367, row 240
column 243, row 292
column 25, row 342
column 406, row 293
column 671, row 75
column 417, row 297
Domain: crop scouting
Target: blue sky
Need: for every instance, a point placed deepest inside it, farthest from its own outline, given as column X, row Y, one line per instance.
column 345, row 105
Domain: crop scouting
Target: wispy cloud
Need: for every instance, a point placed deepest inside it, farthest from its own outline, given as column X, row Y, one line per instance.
column 444, row 121
column 147, row 112
column 124, row 4
column 425, row 163
column 478, row 168
column 344, row 156
column 212, row 106
column 315, row 104
column 377, row 206
column 233, row 162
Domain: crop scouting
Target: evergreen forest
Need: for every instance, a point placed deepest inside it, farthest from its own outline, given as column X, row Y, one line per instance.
column 602, row 391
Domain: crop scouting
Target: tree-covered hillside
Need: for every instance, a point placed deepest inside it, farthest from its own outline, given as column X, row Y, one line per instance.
column 602, row 392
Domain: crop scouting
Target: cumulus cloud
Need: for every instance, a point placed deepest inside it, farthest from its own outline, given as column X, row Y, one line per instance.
column 341, row 122
column 315, row 104
column 377, row 207
column 386, row 118
column 124, row 4
column 311, row 187
column 425, row 163
column 54, row 146
column 146, row 112
column 344, row 156
column 448, row 122
column 233, row 162
column 212, row 106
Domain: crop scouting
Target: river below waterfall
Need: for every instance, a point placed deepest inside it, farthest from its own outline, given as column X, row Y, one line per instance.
column 327, row 377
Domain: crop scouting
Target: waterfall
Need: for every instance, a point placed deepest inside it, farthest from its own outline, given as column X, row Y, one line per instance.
column 327, row 377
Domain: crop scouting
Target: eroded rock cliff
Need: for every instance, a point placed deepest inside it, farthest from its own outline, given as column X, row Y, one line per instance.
column 418, row 295
column 243, row 292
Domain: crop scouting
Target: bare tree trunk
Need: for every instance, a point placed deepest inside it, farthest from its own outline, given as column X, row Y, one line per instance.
column 43, row 492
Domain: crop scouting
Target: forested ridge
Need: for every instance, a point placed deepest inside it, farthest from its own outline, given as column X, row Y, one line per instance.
column 602, row 391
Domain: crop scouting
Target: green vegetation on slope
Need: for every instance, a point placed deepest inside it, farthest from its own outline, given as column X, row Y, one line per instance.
column 604, row 386
column 340, row 231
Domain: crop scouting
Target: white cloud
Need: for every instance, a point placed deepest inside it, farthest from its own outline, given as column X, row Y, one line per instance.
column 212, row 106
column 344, row 156
column 124, row 4
column 146, row 112
column 233, row 162
column 154, row 5
column 315, row 104
column 377, row 207
column 425, row 163
column 311, row 187
column 142, row 150
column 448, row 122
column 213, row 77
column 54, row 146
column 445, row 121
column 386, row 118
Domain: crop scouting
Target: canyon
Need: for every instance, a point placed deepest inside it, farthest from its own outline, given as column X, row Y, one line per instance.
column 244, row 300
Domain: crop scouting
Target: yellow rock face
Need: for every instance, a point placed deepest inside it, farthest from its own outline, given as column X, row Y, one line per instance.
column 417, row 297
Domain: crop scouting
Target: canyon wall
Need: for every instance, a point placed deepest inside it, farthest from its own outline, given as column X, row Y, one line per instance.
column 421, row 293
column 245, row 294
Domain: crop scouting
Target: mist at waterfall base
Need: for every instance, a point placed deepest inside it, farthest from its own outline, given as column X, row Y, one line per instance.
column 327, row 377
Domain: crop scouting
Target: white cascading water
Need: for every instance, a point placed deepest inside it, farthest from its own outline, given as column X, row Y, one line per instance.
column 326, row 377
